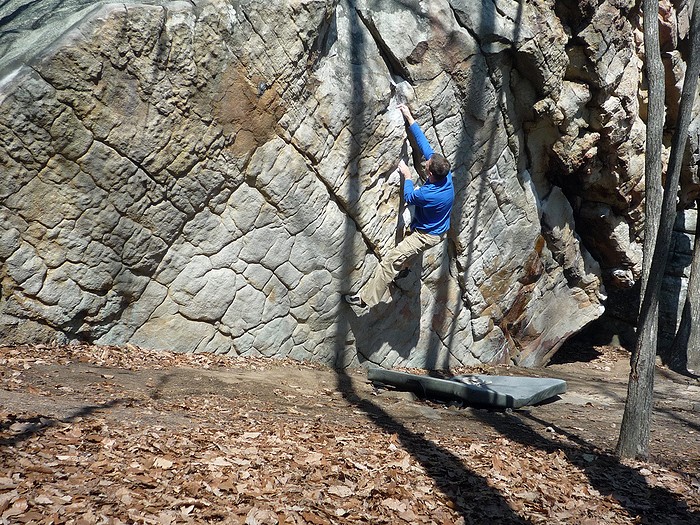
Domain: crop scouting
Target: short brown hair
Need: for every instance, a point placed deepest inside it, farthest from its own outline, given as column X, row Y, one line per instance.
column 439, row 166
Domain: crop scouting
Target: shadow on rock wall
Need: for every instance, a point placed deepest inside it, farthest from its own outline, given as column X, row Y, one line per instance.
column 211, row 178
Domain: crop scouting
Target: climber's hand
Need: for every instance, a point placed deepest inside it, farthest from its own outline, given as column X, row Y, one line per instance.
column 405, row 170
column 403, row 108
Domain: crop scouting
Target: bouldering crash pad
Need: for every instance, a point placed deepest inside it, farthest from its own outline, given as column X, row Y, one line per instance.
column 478, row 390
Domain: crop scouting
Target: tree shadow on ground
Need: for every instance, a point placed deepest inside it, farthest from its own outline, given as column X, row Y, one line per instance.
column 647, row 503
column 693, row 424
column 469, row 493
column 30, row 426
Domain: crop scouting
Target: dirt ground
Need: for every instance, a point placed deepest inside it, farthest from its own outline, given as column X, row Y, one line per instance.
column 94, row 434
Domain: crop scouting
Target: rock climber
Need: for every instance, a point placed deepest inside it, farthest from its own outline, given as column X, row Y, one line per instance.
column 431, row 219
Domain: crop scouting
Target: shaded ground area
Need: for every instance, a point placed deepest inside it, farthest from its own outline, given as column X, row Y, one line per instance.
column 123, row 435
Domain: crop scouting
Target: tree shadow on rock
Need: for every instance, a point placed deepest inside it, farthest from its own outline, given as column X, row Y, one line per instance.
column 468, row 493
column 395, row 322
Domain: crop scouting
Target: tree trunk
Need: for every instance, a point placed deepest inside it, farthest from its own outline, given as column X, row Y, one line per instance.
column 636, row 421
column 685, row 352
column 692, row 349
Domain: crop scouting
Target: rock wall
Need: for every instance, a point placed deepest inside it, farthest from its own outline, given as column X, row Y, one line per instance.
column 209, row 176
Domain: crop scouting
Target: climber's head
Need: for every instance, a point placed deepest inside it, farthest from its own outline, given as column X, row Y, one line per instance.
column 438, row 166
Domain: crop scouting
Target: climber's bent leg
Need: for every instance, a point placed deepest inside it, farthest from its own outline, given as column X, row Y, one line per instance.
column 393, row 262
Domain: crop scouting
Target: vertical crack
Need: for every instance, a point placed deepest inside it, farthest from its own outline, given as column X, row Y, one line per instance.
column 331, row 195
column 393, row 64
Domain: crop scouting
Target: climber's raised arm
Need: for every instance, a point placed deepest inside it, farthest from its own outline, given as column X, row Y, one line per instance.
column 422, row 142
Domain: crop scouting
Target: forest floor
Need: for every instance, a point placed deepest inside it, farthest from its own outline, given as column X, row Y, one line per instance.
column 93, row 434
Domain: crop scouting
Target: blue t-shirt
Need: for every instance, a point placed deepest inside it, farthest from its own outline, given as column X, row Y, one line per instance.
column 433, row 200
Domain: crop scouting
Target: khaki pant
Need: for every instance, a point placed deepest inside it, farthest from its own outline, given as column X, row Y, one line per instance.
column 392, row 263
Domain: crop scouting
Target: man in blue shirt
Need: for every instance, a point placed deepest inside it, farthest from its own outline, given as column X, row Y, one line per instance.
column 433, row 204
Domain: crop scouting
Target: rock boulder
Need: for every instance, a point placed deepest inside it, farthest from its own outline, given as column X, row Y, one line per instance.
column 209, row 176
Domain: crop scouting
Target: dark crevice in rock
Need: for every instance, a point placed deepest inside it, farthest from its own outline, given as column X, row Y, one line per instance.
column 331, row 196
column 326, row 37
column 393, row 64
column 434, row 126
column 460, row 21
column 16, row 13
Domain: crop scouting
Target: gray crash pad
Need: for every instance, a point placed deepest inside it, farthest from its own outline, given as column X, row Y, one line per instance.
column 480, row 390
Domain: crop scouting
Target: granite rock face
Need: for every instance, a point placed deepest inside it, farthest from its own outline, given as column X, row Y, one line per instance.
column 209, row 176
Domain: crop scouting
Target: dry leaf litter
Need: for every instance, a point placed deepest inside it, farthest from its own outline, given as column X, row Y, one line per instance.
column 93, row 452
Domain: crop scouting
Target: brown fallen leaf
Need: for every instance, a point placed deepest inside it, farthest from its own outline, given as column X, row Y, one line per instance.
column 18, row 507
column 342, row 491
column 163, row 463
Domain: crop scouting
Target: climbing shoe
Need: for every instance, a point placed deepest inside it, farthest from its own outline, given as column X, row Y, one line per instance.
column 402, row 274
column 354, row 300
